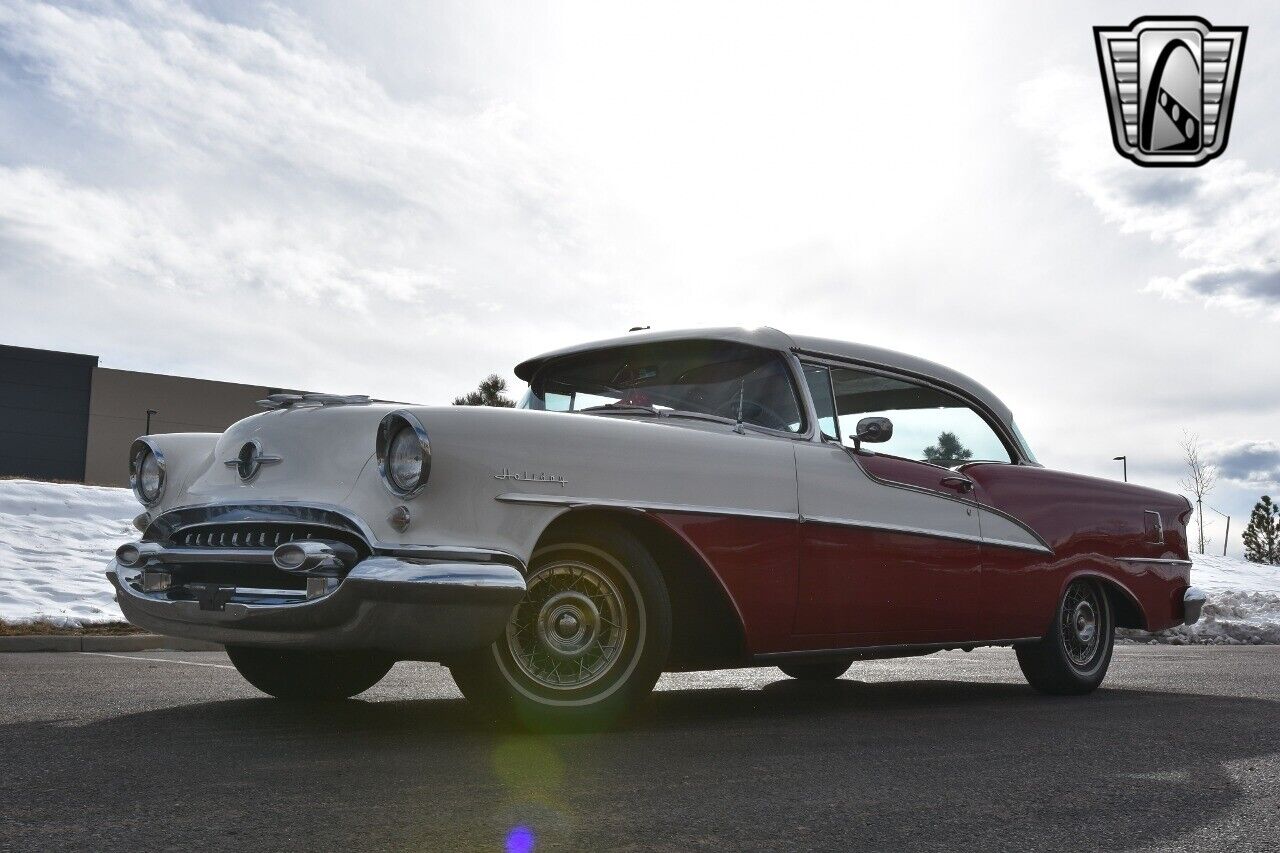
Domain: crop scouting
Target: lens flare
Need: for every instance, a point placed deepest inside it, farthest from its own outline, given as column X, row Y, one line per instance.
column 520, row 840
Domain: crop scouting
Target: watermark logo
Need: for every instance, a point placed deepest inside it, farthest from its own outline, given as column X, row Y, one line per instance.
column 1171, row 85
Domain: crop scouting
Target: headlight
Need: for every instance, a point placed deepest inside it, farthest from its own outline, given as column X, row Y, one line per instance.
column 404, row 454
column 146, row 471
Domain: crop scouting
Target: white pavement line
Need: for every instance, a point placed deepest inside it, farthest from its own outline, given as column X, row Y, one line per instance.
column 159, row 660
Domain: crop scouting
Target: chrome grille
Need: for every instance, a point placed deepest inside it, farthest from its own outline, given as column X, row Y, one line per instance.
column 238, row 538
column 260, row 535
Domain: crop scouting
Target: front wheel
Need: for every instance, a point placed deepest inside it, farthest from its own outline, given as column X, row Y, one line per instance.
column 1073, row 656
column 313, row 676
column 587, row 642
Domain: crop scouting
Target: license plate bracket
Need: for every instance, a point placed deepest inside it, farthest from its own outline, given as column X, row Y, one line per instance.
column 212, row 596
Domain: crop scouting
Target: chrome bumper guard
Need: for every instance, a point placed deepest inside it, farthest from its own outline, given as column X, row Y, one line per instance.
column 413, row 608
column 1193, row 601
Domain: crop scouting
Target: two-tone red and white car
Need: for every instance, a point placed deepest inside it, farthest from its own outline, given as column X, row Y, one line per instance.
column 663, row 501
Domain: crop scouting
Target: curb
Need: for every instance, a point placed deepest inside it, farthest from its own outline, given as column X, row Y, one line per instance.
column 103, row 643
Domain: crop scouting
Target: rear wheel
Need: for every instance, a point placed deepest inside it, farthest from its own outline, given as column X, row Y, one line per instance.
column 585, row 645
column 1073, row 656
column 316, row 676
column 818, row 671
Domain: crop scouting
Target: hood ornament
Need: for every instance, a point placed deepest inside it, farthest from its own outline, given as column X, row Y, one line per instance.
column 309, row 401
column 250, row 460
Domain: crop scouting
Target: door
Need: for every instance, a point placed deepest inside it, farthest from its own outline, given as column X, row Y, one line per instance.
column 890, row 546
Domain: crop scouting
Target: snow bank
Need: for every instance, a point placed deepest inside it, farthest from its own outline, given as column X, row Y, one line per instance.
column 55, row 540
column 1243, row 607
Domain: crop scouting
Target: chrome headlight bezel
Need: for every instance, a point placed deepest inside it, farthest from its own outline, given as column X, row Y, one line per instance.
column 138, row 453
column 390, row 427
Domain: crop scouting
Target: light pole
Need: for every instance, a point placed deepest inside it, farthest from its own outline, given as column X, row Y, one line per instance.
column 150, row 412
column 1227, row 533
column 1125, row 460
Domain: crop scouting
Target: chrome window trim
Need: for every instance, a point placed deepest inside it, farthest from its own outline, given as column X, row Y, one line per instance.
column 135, row 470
column 814, row 433
column 1001, row 429
column 382, row 449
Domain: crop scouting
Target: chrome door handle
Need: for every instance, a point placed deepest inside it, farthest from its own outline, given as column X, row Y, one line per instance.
column 960, row 484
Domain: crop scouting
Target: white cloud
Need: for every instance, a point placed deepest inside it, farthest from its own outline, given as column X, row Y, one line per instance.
column 226, row 170
column 1222, row 219
column 1250, row 462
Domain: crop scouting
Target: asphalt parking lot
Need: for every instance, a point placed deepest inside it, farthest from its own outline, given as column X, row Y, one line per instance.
column 169, row 750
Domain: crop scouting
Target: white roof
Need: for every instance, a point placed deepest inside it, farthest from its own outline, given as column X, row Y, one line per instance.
column 771, row 338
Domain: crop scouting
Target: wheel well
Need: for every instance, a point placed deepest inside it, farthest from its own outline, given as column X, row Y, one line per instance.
column 706, row 629
column 1128, row 613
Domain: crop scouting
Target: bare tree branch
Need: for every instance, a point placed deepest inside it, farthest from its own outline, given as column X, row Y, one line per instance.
column 1201, row 477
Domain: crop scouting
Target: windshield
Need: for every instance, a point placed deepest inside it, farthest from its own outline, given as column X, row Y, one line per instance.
column 714, row 379
column 1026, row 448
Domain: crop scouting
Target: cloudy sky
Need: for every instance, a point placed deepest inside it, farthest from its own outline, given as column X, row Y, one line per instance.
column 399, row 200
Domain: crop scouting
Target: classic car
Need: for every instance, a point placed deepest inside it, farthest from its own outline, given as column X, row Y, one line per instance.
column 658, row 502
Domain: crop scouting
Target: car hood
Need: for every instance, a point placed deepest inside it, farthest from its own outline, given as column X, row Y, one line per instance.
column 316, row 455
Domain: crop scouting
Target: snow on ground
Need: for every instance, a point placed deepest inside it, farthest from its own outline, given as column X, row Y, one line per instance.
column 56, row 539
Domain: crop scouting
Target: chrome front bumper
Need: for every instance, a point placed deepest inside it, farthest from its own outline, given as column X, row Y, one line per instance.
column 412, row 608
column 1193, row 601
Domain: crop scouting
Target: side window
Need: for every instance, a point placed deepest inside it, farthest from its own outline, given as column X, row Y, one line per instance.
column 928, row 425
column 818, row 378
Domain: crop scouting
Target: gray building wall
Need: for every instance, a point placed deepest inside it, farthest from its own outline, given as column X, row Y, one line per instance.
column 118, row 414
column 44, row 413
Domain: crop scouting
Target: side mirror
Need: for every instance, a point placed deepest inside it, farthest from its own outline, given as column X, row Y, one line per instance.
column 874, row 430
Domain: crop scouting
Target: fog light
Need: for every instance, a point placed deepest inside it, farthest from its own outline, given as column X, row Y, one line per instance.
column 156, row 581
column 137, row 553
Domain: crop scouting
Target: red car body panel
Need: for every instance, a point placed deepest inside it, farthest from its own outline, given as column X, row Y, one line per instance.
column 804, row 586
column 754, row 560
column 1091, row 524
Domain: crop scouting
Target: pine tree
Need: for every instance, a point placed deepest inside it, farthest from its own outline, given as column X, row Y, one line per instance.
column 947, row 451
column 488, row 394
column 1262, row 536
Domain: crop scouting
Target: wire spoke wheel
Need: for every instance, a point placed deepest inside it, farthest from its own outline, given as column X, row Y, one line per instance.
column 1080, row 623
column 587, row 642
column 571, row 627
column 1073, row 656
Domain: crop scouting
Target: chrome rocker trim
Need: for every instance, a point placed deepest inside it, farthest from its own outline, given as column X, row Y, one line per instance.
column 1193, row 601
column 413, row 609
